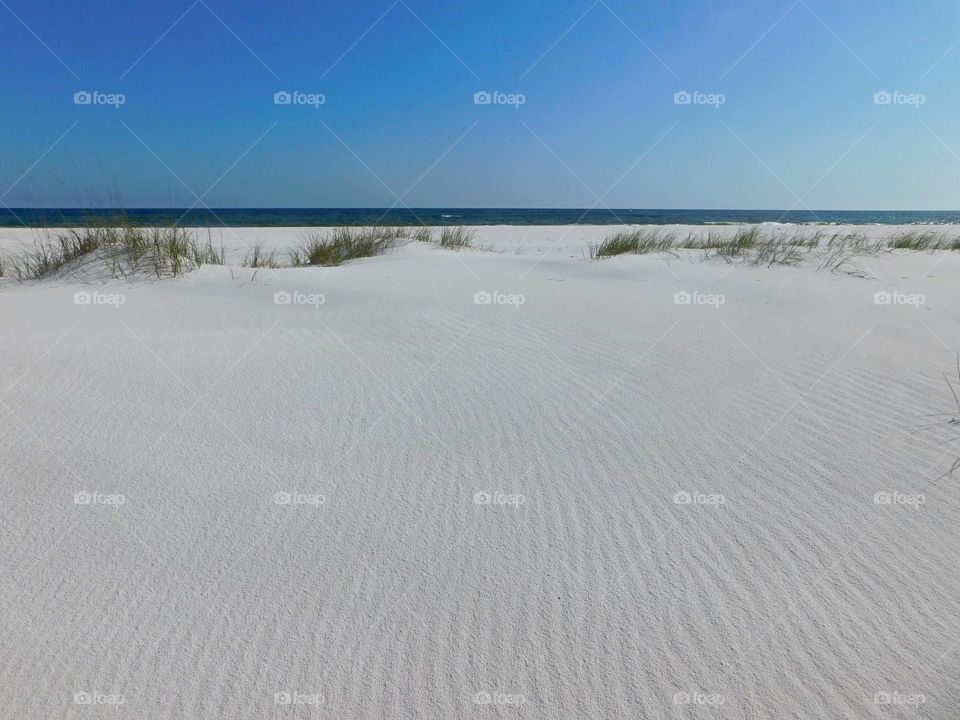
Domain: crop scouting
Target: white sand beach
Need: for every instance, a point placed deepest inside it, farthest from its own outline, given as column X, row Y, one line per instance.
column 646, row 486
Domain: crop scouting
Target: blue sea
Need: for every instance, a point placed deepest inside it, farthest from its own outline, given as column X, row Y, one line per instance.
column 267, row 217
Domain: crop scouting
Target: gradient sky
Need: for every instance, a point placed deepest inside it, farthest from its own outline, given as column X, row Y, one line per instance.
column 798, row 128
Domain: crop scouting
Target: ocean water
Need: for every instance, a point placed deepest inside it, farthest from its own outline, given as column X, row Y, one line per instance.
column 264, row 217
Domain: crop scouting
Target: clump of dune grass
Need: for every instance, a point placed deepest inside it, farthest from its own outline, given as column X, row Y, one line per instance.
column 915, row 240
column 336, row 246
column 839, row 251
column 923, row 240
column 206, row 253
column 258, row 257
column 457, row 238
column 754, row 245
column 51, row 253
column 170, row 250
column 422, row 234
column 126, row 250
column 743, row 239
column 637, row 241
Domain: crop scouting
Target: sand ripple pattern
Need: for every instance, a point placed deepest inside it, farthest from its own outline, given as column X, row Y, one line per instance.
column 403, row 504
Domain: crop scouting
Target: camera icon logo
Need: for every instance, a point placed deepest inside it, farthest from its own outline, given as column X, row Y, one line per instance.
column 882, row 98
column 882, row 298
column 282, row 298
column 682, row 298
column 82, row 297
column 282, row 98
column 482, row 98
column 682, row 98
column 82, row 98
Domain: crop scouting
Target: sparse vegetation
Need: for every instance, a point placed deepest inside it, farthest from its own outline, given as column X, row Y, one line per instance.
column 127, row 251
column 923, row 240
column 637, row 241
column 422, row 234
column 751, row 244
column 207, row 254
column 950, row 419
column 336, row 246
column 260, row 258
column 457, row 238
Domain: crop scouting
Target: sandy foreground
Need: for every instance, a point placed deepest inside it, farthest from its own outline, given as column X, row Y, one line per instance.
column 511, row 483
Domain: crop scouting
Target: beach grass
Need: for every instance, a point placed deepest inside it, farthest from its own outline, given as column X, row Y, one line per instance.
column 457, row 237
column 338, row 245
column 422, row 234
column 127, row 250
column 754, row 245
column 259, row 257
column 636, row 241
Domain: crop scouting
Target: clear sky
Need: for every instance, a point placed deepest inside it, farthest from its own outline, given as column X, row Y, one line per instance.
column 798, row 125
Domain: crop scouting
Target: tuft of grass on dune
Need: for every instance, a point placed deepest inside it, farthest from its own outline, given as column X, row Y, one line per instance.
column 923, row 240
column 636, row 241
column 261, row 258
column 51, row 253
column 338, row 245
column 457, row 237
column 207, row 254
column 451, row 237
column 422, row 234
column 743, row 239
column 127, row 250
column 752, row 245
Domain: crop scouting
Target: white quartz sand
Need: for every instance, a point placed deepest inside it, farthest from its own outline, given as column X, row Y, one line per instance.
column 378, row 498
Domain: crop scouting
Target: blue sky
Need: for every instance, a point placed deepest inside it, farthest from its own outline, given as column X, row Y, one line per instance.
column 798, row 126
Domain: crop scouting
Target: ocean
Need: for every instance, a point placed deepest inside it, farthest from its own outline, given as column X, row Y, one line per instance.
column 266, row 217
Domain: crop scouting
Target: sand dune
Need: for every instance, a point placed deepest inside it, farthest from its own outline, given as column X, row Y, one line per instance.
column 582, row 499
